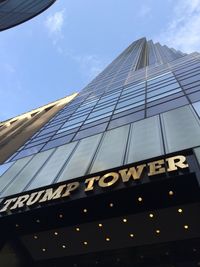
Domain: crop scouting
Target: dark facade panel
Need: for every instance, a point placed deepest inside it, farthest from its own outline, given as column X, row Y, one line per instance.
column 14, row 12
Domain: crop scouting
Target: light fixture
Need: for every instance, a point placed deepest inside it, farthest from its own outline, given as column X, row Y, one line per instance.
column 44, row 249
column 111, row 205
column 157, row 231
column 63, row 246
column 151, row 215
column 131, row 235
column 171, row 193
column 35, row 237
column 85, row 243
column 140, row 199
column 100, row 225
column 60, row 216
column 37, row 221
column 85, row 210
column 77, row 229
column 107, row 239
column 55, row 233
column 186, row 226
column 180, row 210
column 124, row 220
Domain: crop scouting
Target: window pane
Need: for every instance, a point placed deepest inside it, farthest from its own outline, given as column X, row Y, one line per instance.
column 112, row 149
column 145, row 140
column 181, row 129
column 5, row 167
column 25, row 176
column 51, row 169
column 81, row 158
column 197, row 107
column 8, row 176
column 91, row 131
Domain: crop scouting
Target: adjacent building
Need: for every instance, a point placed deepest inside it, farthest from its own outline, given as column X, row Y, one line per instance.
column 112, row 177
column 13, row 13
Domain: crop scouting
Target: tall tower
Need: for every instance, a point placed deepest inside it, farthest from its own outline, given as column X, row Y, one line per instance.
column 113, row 178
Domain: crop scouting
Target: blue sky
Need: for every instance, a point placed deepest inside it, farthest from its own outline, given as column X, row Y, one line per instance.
column 61, row 50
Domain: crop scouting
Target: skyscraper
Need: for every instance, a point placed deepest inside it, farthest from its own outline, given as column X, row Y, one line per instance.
column 113, row 178
column 13, row 13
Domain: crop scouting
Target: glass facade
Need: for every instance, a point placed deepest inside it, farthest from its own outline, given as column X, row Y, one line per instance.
column 143, row 107
column 130, row 112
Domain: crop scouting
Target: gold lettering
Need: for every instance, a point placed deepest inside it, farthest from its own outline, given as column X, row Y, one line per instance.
column 156, row 167
column 70, row 187
column 50, row 194
column 114, row 177
column 176, row 162
column 20, row 202
column 90, row 183
column 8, row 203
column 134, row 172
column 34, row 198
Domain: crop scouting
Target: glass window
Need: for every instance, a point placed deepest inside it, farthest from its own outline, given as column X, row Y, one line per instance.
column 26, row 175
column 190, row 80
column 53, row 166
column 87, row 125
column 129, row 107
column 75, row 121
column 91, row 131
column 112, row 149
column 131, row 101
column 164, row 95
column 28, row 151
column 34, row 143
column 196, row 106
column 59, row 141
column 14, row 170
column 145, row 140
column 101, row 111
column 174, row 103
column 48, row 130
column 165, row 99
column 194, row 97
column 163, row 89
column 81, row 158
column 160, row 78
column 98, row 118
column 126, row 119
column 181, row 129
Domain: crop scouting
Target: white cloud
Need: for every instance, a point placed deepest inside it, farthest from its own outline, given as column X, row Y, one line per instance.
column 55, row 22
column 144, row 11
column 183, row 32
